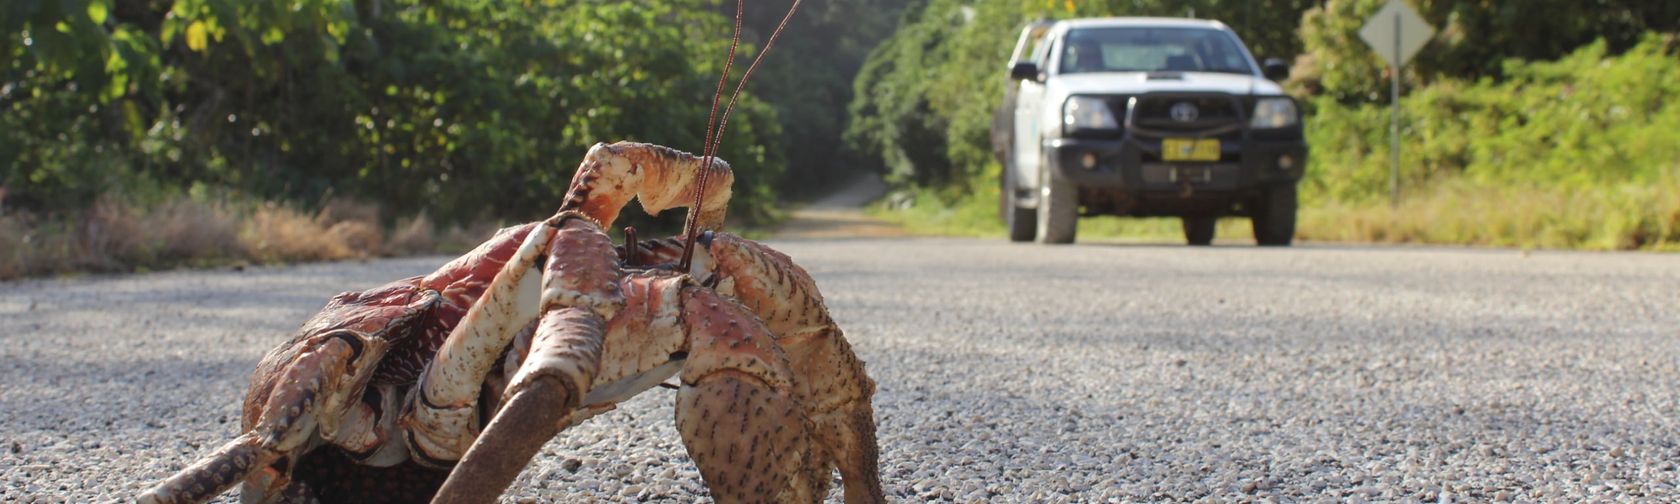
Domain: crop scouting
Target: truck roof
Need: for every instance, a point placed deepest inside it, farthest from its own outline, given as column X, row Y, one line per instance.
column 1155, row 22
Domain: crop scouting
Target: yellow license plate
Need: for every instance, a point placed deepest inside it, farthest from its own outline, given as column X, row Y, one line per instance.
column 1190, row 149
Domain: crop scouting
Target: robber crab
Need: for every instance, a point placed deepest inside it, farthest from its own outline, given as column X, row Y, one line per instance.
column 443, row 387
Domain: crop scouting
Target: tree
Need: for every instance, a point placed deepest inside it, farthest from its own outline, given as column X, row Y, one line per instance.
column 808, row 78
column 1473, row 40
column 463, row 108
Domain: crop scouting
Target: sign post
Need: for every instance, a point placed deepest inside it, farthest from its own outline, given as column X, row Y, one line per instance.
column 1396, row 32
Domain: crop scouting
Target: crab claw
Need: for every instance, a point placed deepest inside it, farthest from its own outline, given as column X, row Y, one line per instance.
column 661, row 177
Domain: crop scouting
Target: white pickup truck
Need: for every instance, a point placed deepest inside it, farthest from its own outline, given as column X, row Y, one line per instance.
column 1145, row 117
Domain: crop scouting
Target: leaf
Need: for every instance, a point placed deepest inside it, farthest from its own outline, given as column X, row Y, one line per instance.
column 98, row 12
column 273, row 35
column 196, row 37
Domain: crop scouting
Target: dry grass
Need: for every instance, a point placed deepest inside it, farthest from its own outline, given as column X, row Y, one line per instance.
column 279, row 233
column 1626, row 217
column 116, row 235
column 413, row 235
column 187, row 228
column 14, row 239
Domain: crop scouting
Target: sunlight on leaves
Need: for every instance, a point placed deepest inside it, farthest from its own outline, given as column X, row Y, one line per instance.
column 197, row 39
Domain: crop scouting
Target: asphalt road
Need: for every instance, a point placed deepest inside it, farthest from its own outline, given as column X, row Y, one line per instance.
column 1086, row 373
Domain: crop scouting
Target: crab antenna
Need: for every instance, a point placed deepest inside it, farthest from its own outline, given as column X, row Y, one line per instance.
column 691, row 229
column 715, row 141
column 743, row 84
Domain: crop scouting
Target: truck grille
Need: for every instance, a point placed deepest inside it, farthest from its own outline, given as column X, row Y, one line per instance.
column 1211, row 112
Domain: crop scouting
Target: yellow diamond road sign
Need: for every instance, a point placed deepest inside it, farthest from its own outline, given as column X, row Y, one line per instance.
column 1397, row 33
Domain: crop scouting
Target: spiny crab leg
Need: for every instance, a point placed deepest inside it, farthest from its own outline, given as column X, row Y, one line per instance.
column 577, row 272
column 444, row 418
column 568, row 369
column 211, row 475
column 836, row 393
column 307, row 401
column 550, row 384
column 737, row 409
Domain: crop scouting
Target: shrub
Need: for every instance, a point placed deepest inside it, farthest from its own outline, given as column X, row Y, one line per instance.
column 1582, row 151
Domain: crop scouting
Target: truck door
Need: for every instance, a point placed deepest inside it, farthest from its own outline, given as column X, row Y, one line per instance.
column 1029, row 97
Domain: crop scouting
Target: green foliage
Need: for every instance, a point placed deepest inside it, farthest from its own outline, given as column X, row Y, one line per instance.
column 808, row 77
column 1472, row 39
column 465, row 108
column 891, row 117
column 1586, row 120
column 1581, row 151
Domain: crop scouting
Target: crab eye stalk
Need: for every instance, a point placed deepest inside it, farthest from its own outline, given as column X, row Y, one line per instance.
column 630, row 244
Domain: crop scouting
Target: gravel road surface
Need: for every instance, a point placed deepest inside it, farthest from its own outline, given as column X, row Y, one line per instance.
column 1007, row 373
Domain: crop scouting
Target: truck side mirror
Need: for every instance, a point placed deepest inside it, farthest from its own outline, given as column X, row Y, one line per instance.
column 1025, row 70
column 1275, row 69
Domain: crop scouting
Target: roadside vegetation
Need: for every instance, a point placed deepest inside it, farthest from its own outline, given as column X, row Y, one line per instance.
column 155, row 134
column 166, row 133
column 1583, row 151
column 1553, row 131
column 195, row 230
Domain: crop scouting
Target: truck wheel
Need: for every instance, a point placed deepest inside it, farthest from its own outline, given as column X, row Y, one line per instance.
column 1274, row 216
column 1058, row 207
column 1199, row 230
column 1022, row 222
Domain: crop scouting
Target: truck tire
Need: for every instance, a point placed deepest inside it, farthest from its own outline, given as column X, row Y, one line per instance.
column 1198, row 231
column 1058, row 207
column 1022, row 222
column 1274, row 216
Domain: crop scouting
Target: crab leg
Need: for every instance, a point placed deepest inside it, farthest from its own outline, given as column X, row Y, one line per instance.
column 564, row 356
column 737, row 408
column 579, row 270
column 308, row 399
column 211, row 475
column 443, row 419
column 836, row 393
column 287, row 423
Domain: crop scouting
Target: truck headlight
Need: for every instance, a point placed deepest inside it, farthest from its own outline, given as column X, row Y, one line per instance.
column 1275, row 113
column 1086, row 113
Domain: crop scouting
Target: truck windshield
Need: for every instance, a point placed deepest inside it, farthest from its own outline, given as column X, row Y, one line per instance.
column 1138, row 49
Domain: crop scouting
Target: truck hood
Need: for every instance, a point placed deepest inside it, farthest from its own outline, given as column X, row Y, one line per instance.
column 1139, row 82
